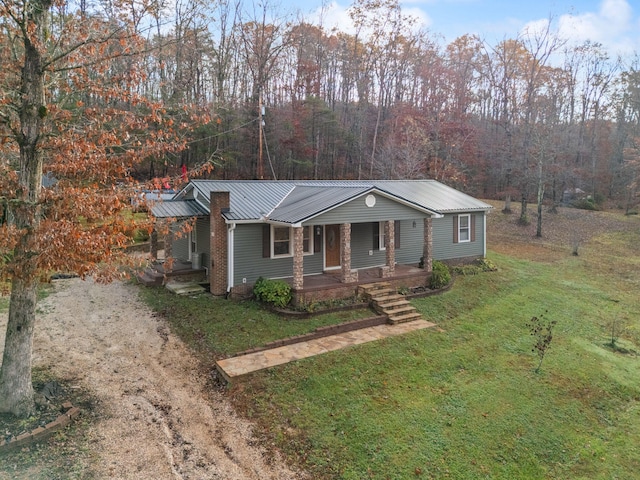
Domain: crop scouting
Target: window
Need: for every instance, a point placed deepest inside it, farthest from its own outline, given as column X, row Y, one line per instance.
column 378, row 236
column 379, row 241
column 307, row 240
column 464, row 228
column 281, row 241
column 278, row 241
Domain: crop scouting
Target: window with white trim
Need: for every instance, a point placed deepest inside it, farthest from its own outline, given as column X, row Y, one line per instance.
column 281, row 241
column 464, row 228
column 381, row 242
column 307, row 240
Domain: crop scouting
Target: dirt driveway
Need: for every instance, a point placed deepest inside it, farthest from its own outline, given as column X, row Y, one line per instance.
column 156, row 420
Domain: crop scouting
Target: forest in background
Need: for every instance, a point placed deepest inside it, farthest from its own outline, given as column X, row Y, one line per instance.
column 257, row 93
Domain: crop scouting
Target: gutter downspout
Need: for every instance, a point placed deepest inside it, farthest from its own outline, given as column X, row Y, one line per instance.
column 484, row 235
column 230, row 236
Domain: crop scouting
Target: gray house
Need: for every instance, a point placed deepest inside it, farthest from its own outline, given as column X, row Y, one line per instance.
column 324, row 237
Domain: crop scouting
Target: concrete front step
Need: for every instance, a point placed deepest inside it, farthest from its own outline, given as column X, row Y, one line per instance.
column 393, row 303
column 382, row 292
column 409, row 317
column 374, row 288
column 387, row 301
column 388, row 298
column 398, row 310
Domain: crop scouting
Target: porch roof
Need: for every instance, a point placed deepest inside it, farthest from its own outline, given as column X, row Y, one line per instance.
column 179, row 209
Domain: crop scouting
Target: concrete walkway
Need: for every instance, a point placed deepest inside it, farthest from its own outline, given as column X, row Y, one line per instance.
column 234, row 367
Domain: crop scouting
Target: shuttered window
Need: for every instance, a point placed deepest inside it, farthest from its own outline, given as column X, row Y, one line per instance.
column 282, row 241
column 464, row 228
column 278, row 241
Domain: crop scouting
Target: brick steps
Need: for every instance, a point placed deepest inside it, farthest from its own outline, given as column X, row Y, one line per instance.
column 387, row 302
column 150, row 277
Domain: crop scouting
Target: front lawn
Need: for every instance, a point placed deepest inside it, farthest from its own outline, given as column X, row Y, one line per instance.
column 463, row 402
column 220, row 327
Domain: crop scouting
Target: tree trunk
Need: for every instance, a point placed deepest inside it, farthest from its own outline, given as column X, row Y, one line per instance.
column 16, row 390
column 540, row 198
column 524, row 217
column 507, row 204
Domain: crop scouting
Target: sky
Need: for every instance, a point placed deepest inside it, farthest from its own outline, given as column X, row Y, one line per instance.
column 613, row 23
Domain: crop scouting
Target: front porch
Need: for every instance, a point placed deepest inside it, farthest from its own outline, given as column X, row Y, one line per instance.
column 329, row 285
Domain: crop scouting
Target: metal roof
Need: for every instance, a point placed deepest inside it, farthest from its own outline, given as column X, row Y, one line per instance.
column 249, row 199
column 292, row 201
column 178, row 209
column 433, row 195
column 305, row 201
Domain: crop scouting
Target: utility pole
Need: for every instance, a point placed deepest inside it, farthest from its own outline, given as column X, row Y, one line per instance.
column 260, row 133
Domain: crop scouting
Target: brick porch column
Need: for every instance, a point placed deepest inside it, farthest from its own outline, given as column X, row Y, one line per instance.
column 153, row 244
column 298, row 258
column 427, row 247
column 390, row 240
column 219, row 202
column 168, row 249
column 347, row 276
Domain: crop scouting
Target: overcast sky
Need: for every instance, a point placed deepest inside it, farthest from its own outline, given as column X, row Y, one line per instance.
column 614, row 23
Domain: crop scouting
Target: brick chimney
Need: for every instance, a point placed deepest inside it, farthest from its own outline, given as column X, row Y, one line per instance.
column 219, row 243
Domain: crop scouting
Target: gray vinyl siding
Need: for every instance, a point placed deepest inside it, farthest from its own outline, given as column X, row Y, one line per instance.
column 249, row 263
column 443, row 246
column 203, row 244
column 357, row 212
column 411, row 242
column 362, row 244
column 180, row 244
column 410, row 251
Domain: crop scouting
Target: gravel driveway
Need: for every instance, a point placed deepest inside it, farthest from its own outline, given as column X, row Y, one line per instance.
column 156, row 419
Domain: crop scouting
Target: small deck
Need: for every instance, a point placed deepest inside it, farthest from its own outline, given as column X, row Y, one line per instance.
column 160, row 274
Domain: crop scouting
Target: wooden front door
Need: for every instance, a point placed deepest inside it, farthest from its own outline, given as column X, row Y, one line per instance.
column 332, row 246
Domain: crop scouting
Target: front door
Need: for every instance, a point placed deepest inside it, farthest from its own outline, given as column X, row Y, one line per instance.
column 332, row 246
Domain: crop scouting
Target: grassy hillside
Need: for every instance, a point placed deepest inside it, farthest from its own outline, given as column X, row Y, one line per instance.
column 464, row 401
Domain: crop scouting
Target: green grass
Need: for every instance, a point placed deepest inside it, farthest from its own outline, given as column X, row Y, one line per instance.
column 221, row 327
column 463, row 402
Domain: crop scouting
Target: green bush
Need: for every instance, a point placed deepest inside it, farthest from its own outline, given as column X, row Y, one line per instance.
column 478, row 266
column 586, row 204
column 466, row 269
column 440, row 275
column 275, row 292
column 140, row 235
column 486, row 265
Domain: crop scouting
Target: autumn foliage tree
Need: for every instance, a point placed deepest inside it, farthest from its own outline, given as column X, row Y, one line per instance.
column 69, row 114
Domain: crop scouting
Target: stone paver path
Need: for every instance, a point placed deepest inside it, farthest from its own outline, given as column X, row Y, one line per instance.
column 234, row 367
